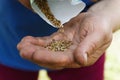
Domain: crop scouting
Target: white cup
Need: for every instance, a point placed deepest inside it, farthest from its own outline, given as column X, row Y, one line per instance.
column 63, row 10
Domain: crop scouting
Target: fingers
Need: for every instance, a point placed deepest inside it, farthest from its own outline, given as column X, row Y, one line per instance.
column 26, row 46
column 47, row 58
column 31, row 51
column 54, row 60
column 30, row 48
column 29, row 45
column 29, row 39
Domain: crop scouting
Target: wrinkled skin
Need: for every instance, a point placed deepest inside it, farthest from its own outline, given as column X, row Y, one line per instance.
column 91, row 36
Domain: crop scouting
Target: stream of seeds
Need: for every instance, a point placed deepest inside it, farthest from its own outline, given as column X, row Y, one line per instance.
column 44, row 7
column 54, row 45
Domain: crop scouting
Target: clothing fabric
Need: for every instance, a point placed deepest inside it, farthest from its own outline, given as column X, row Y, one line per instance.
column 94, row 72
column 16, row 21
column 7, row 73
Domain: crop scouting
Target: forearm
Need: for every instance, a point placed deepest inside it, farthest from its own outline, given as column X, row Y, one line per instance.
column 108, row 9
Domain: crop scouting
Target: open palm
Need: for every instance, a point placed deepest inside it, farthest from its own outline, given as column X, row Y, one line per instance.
column 90, row 35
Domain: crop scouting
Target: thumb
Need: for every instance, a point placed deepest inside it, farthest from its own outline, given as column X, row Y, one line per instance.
column 86, row 48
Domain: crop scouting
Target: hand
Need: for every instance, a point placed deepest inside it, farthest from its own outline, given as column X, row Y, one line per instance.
column 32, row 48
column 94, row 37
column 90, row 34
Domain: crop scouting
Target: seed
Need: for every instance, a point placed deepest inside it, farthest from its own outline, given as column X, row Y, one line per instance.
column 59, row 45
column 44, row 7
column 54, row 45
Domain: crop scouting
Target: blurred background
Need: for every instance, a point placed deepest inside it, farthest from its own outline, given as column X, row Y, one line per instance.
column 112, row 64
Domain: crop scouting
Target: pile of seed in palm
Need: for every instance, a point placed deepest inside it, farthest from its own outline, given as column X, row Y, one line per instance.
column 54, row 45
column 59, row 45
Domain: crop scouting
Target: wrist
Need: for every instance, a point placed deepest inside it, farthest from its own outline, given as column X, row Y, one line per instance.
column 108, row 9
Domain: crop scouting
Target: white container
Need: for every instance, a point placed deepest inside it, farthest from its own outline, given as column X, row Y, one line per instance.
column 63, row 10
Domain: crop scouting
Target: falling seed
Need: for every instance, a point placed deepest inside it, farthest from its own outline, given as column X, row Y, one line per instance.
column 44, row 7
column 54, row 45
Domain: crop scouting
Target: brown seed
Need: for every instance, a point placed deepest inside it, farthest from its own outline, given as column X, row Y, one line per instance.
column 54, row 45
column 59, row 45
column 44, row 7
